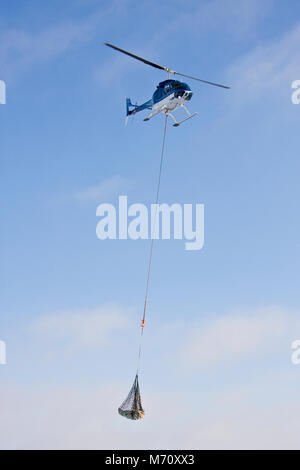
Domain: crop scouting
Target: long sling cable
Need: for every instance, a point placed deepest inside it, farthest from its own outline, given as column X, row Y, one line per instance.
column 152, row 242
column 131, row 407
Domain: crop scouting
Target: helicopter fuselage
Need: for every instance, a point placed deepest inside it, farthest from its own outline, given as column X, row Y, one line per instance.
column 168, row 96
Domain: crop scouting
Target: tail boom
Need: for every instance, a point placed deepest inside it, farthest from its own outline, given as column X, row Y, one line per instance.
column 136, row 108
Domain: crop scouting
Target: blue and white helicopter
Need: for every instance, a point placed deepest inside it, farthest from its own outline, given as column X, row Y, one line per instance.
column 168, row 96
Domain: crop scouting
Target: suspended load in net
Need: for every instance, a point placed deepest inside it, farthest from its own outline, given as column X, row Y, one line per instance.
column 132, row 408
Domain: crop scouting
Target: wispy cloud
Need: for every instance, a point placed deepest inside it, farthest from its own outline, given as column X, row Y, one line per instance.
column 104, row 190
column 267, row 70
column 231, row 339
column 237, row 19
column 21, row 49
column 81, row 329
column 257, row 412
column 85, row 417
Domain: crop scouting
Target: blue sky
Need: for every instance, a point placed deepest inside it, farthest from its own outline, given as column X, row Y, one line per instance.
column 70, row 303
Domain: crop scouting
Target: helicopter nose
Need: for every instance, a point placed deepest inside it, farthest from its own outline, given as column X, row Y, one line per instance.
column 188, row 95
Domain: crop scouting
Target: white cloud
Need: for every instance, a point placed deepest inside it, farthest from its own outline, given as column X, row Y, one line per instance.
column 235, row 18
column 230, row 339
column 238, row 19
column 20, row 49
column 85, row 417
column 81, row 329
column 267, row 71
column 252, row 411
column 103, row 191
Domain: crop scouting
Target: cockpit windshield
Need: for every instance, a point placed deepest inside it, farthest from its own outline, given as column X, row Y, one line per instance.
column 167, row 87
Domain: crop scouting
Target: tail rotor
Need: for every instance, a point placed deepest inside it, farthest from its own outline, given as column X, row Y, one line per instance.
column 130, row 112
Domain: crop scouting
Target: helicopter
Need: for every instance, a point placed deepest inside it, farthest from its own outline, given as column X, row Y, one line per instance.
column 169, row 94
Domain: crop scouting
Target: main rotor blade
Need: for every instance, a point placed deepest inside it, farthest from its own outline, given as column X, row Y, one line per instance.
column 160, row 67
column 136, row 57
column 203, row 81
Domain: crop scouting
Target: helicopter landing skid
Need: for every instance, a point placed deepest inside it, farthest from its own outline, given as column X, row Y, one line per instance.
column 189, row 116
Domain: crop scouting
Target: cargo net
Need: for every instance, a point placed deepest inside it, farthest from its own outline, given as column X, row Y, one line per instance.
column 132, row 408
